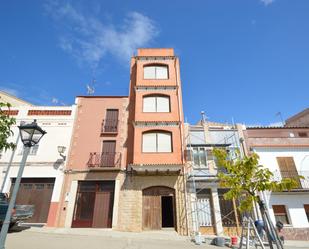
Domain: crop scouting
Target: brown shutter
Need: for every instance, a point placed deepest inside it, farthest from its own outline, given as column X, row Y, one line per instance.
column 108, row 154
column 111, row 120
column 288, row 168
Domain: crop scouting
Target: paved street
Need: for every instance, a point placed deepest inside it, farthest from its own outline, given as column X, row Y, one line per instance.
column 38, row 238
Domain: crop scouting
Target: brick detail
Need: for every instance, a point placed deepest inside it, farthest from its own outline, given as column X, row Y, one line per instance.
column 10, row 112
column 49, row 112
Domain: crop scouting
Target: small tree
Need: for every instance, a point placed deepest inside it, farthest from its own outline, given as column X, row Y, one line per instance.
column 245, row 178
column 5, row 127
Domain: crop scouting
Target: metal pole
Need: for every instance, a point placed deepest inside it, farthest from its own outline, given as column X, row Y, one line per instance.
column 6, row 223
column 9, row 165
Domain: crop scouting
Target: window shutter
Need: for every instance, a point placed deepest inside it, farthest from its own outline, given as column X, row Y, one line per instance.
column 164, row 142
column 149, row 72
column 149, row 142
column 163, row 104
column 149, row 104
column 161, row 72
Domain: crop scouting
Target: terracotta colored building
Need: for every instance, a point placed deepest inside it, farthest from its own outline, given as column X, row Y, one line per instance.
column 96, row 163
column 125, row 165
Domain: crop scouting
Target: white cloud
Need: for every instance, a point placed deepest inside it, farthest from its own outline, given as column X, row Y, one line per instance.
column 267, row 2
column 89, row 39
column 55, row 100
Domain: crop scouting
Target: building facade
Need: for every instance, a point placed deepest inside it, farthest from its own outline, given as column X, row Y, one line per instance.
column 152, row 195
column 96, row 163
column 209, row 212
column 285, row 151
column 43, row 175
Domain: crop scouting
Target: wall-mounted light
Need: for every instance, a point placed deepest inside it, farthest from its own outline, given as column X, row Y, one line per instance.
column 61, row 150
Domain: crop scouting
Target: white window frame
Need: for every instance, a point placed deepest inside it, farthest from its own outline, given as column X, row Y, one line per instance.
column 156, row 100
column 159, row 146
column 153, row 72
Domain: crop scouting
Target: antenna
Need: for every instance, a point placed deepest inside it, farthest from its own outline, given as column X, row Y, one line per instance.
column 90, row 88
column 281, row 118
column 204, row 117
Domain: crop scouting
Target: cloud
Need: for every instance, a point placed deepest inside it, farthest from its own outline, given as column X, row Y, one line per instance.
column 54, row 100
column 267, row 2
column 88, row 39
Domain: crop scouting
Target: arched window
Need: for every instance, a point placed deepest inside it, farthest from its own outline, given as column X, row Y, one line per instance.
column 156, row 103
column 155, row 72
column 157, row 141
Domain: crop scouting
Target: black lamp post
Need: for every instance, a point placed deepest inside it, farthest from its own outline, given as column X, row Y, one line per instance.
column 30, row 135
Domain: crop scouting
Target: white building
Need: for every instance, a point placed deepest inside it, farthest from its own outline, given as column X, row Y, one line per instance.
column 43, row 175
column 285, row 151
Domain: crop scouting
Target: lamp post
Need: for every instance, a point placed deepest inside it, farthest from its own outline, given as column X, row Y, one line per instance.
column 30, row 135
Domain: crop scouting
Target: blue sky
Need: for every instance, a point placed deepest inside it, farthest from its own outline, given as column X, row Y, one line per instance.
column 240, row 59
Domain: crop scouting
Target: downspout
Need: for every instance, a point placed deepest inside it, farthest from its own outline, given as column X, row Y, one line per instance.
column 182, row 147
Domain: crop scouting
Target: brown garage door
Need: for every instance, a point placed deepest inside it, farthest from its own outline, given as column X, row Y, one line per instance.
column 37, row 192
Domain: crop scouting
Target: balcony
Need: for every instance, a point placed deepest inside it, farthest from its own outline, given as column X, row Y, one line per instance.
column 109, row 126
column 303, row 183
column 106, row 160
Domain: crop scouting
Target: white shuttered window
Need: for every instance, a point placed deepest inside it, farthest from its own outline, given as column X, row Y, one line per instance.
column 155, row 72
column 157, row 142
column 156, row 104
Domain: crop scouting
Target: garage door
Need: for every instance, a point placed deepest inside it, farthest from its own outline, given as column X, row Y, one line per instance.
column 37, row 192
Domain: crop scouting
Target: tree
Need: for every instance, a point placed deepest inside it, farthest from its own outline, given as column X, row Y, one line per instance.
column 5, row 127
column 245, row 177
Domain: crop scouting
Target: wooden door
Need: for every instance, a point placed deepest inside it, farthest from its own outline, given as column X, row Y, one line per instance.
column 152, row 206
column 111, row 120
column 85, row 199
column 152, row 212
column 103, row 210
column 108, row 154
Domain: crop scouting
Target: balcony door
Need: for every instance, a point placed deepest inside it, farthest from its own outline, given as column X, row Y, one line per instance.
column 111, row 120
column 108, row 154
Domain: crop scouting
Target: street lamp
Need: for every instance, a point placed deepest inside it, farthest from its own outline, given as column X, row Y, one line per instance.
column 30, row 135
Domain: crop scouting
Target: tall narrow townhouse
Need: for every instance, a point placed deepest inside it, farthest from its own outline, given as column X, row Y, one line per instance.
column 209, row 213
column 96, row 163
column 43, row 175
column 152, row 196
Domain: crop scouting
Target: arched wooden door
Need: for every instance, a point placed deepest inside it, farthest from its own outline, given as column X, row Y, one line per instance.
column 158, row 208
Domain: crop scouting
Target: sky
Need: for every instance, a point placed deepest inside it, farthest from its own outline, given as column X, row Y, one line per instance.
column 241, row 60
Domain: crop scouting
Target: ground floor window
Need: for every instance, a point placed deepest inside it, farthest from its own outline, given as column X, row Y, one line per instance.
column 281, row 214
column 229, row 214
column 204, row 208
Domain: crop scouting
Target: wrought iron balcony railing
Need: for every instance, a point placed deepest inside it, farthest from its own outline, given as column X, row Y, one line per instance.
column 302, row 183
column 110, row 126
column 104, row 160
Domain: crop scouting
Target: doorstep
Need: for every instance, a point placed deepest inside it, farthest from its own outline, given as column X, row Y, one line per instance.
column 108, row 232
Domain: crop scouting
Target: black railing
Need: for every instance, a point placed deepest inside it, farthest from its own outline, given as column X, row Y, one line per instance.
column 104, row 160
column 110, row 126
